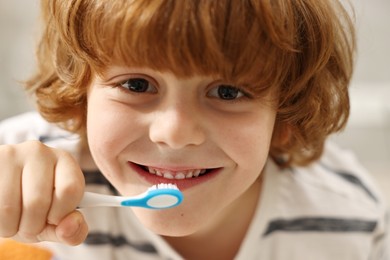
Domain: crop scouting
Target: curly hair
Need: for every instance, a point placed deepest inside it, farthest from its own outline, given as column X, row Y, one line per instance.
column 303, row 48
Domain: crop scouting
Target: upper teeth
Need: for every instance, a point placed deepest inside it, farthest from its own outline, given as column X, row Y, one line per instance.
column 178, row 175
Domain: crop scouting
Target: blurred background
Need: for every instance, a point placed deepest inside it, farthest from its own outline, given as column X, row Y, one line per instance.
column 368, row 132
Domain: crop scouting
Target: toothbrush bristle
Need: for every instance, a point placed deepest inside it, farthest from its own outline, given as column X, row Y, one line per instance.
column 164, row 186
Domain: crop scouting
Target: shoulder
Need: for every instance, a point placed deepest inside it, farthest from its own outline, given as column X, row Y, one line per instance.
column 27, row 126
column 339, row 175
column 333, row 201
column 336, row 185
column 31, row 126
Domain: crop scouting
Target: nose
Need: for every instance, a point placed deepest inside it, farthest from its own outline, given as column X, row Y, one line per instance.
column 177, row 126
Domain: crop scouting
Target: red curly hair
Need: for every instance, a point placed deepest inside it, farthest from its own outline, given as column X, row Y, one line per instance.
column 302, row 48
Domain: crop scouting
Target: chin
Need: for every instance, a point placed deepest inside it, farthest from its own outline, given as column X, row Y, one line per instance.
column 169, row 222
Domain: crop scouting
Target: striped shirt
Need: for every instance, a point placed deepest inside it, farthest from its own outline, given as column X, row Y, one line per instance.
column 330, row 209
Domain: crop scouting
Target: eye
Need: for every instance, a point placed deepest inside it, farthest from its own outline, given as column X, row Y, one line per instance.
column 138, row 85
column 226, row 92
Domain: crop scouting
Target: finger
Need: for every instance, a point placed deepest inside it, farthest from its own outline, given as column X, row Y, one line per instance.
column 37, row 188
column 10, row 193
column 68, row 188
column 72, row 230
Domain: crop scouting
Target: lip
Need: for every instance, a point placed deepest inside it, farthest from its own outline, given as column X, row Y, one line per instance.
column 182, row 184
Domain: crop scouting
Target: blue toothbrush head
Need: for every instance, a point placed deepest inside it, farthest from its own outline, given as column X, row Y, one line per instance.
column 160, row 196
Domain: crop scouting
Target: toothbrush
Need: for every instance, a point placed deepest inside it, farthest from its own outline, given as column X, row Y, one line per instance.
column 161, row 196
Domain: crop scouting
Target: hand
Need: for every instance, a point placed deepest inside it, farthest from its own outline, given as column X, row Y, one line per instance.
column 40, row 188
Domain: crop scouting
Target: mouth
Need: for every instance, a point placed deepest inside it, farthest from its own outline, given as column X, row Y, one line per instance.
column 176, row 175
column 183, row 178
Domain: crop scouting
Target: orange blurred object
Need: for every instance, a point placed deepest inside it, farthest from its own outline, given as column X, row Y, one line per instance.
column 12, row 250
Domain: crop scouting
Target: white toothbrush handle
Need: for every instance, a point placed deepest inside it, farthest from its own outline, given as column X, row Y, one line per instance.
column 91, row 199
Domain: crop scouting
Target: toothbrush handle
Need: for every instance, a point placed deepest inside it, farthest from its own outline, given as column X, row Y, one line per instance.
column 91, row 199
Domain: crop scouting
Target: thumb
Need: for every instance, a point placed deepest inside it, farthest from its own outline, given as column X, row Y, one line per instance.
column 71, row 230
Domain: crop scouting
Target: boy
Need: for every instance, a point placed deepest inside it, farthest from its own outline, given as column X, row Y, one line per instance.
column 232, row 101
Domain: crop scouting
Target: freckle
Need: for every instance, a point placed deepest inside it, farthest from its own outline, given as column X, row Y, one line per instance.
column 182, row 214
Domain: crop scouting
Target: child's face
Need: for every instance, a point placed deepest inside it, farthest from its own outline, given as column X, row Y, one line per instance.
column 142, row 123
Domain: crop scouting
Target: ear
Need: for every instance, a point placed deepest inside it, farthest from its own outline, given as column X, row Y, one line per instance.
column 282, row 134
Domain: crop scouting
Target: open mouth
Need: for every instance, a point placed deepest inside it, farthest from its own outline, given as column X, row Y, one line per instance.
column 176, row 175
column 184, row 178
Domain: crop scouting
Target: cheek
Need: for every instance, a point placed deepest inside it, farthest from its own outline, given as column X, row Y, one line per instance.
column 110, row 129
column 109, row 121
column 102, row 128
column 248, row 141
